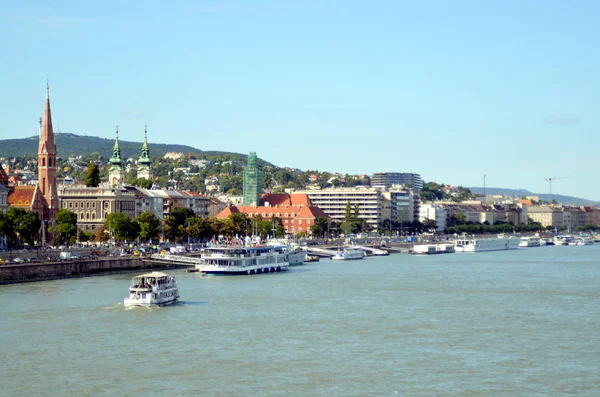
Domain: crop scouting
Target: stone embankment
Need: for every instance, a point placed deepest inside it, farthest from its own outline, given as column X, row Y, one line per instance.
column 27, row 272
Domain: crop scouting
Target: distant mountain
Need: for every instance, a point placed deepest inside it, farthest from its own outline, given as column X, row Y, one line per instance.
column 71, row 144
column 523, row 192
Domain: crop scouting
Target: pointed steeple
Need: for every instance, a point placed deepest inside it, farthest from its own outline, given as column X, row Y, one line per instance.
column 47, row 134
column 116, row 156
column 145, row 157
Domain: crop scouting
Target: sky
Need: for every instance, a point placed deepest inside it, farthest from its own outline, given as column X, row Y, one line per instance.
column 452, row 90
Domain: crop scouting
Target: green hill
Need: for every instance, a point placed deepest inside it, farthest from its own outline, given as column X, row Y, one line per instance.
column 74, row 145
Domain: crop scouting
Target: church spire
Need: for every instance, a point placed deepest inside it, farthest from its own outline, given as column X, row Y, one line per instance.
column 116, row 156
column 47, row 135
column 145, row 157
column 115, row 172
column 144, row 169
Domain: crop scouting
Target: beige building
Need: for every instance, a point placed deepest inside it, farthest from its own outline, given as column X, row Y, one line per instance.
column 548, row 216
column 93, row 205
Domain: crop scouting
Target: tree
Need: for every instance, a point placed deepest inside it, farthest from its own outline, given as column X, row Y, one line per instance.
column 26, row 225
column 430, row 224
column 121, row 227
column 7, row 228
column 176, row 223
column 92, row 176
column 142, row 182
column 319, row 229
column 65, row 229
column 149, row 226
column 201, row 228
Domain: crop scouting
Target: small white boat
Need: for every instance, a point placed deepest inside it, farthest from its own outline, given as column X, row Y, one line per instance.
column 345, row 254
column 152, row 289
column 584, row 241
column 531, row 241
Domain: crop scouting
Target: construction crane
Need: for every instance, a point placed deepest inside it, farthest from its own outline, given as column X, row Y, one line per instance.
column 554, row 178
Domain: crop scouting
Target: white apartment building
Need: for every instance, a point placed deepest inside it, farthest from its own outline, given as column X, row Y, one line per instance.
column 434, row 212
column 399, row 205
column 333, row 202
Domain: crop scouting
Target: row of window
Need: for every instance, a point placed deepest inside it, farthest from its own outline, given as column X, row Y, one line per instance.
column 49, row 162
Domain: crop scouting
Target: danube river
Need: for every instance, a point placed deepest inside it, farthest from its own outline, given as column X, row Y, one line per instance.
column 518, row 323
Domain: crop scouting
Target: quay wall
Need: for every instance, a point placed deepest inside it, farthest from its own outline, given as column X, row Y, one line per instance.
column 28, row 272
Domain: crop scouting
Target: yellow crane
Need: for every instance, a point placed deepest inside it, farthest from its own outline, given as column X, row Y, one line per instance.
column 554, row 178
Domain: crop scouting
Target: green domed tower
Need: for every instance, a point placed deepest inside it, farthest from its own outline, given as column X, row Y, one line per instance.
column 115, row 171
column 144, row 168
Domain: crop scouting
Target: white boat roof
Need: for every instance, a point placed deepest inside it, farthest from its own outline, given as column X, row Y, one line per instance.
column 153, row 274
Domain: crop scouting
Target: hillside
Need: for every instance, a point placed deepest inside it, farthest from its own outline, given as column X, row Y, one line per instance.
column 71, row 144
column 523, row 192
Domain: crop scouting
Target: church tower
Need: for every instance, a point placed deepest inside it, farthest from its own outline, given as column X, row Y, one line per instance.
column 115, row 171
column 47, row 164
column 144, row 169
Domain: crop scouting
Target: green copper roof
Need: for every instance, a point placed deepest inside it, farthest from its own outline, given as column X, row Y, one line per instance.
column 116, row 156
column 145, row 157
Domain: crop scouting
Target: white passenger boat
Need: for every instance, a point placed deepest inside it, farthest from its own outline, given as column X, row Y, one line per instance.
column 296, row 255
column 152, row 289
column 583, row 241
column 532, row 241
column 563, row 240
column 433, row 249
column 465, row 244
column 345, row 254
column 244, row 260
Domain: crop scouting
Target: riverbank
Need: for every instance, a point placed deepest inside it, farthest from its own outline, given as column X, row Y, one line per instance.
column 30, row 272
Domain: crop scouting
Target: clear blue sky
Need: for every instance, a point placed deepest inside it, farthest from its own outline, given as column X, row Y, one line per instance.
column 448, row 89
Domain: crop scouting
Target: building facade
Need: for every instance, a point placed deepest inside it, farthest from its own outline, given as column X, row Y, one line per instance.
column 387, row 179
column 252, row 181
column 333, row 202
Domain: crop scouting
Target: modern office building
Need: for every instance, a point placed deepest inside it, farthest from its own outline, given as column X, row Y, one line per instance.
column 388, row 179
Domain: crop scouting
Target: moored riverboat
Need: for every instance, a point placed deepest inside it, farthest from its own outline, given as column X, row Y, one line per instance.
column 433, row 249
column 244, row 260
column 531, row 241
column 345, row 254
column 152, row 289
column 464, row 244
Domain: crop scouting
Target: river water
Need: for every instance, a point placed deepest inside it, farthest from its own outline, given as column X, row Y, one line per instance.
column 518, row 323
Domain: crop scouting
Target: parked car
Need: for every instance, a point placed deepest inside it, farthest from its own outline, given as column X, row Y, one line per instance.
column 18, row 260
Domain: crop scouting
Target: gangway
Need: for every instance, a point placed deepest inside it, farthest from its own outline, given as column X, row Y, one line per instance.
column 372, row 251
column 320, row 252
column 186, row 260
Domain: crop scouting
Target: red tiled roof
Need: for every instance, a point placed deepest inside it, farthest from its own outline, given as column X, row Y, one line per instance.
column 21, row 196
column 269, row 212
column 280, row 199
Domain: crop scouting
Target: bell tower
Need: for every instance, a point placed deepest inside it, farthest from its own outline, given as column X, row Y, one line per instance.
column 47, row 163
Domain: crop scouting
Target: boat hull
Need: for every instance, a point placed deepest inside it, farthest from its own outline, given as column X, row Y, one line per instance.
column 235, row 271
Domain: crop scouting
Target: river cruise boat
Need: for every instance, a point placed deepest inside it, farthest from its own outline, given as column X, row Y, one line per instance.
column 244, row 260
column 433, row 249
column 533, row 241
column 152, row 289
column 465, row 244
column 345, row 254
